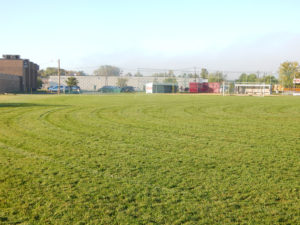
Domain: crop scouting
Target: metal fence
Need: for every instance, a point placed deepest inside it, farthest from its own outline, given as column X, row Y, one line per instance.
column 94, row 83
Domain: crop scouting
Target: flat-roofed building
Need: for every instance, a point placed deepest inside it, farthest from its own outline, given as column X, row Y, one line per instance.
column 253, row 88
column 13, row 65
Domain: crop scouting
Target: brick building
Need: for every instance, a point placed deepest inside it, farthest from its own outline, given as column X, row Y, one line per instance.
column 12, row 66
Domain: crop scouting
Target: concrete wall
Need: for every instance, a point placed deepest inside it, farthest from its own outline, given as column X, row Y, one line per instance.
column 10, row 83
column 91, row 83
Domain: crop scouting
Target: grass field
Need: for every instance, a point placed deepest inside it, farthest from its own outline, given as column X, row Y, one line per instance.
column 149, row 159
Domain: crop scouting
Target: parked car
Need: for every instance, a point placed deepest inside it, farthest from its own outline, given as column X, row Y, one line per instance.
column 64, row 89
column 73, row 89
column 55, row 88
column 128, row 89
column 76, row 88
column 110, row 89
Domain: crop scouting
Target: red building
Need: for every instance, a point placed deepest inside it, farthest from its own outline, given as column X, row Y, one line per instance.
column 210, row 87
column 207, row 87
column 194, row 87
column 25, row 70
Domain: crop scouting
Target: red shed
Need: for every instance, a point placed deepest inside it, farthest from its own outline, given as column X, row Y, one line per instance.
column 214, row 87
column 211, row 87
column 195, row 87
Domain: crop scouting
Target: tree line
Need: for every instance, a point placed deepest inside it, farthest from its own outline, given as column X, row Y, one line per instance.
column 52, row 71
column 287, row 72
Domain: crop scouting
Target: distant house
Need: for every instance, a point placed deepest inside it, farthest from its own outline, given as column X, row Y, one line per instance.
column 17, row 74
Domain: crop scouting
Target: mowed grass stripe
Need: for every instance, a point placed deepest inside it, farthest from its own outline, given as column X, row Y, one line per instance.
column 131, row 159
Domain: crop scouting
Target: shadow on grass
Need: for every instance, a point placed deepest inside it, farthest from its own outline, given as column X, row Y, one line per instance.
column 15, row 105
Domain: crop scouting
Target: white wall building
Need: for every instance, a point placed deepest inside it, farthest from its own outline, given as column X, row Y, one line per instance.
column 93, row 83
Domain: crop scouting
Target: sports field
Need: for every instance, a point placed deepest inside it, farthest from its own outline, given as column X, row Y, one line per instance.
column 149, row 159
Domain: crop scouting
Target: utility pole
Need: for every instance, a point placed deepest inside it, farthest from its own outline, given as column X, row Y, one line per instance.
column 58, row 72
column 106, row 78
column 223, row 88
column 294, row 83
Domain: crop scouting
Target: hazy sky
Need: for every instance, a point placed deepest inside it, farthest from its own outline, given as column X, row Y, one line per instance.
column 232, row 35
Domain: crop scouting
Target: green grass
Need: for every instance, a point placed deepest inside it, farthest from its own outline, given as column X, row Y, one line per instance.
column 149, row 159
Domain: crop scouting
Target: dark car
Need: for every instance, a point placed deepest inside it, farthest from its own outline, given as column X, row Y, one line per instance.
column 128, row 89
column 73, row 89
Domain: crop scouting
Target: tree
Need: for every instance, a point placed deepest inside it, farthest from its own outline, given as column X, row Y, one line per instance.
column 270, row 79
column 216, row 77
column 252, row 78
column 122, row 82
column 108, row 70
column 50, row 71
column 170, row 80
column 171, row 73
column 231, row 87
column 75, row 73
column 204, row 73
column 248, row 78
column 243, row 78
column 287, row 72
column 71, row 82
column 190, row 75
column 39, row 83
column 138, row 74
